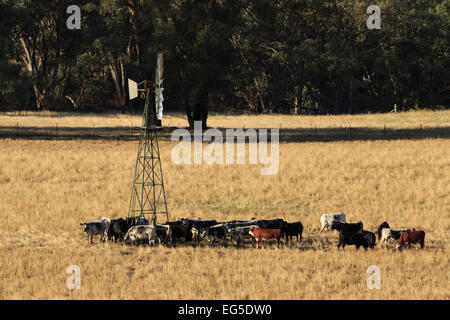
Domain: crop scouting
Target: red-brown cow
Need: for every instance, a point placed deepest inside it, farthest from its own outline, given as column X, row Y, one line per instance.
column 409, row 237
column 265, row 234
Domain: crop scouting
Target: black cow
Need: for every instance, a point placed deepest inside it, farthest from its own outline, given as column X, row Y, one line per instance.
column 180, row 231
column 163, row 233
column 199, row 225
column 364, row 238
column 347, row 227
column 272, row 224
column 381, row 227
column 212, row 233
column 119, row 228
column 292, row 229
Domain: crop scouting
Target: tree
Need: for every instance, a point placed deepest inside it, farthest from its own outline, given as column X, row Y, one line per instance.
column 43, row 43
column 200, row 49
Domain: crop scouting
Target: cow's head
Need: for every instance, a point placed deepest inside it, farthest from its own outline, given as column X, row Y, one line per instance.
column 384, row 225
column 204, row 233
column 194, row 232
column 86, row 227
column 335, row 225
column 400, row 243
column 229, row 231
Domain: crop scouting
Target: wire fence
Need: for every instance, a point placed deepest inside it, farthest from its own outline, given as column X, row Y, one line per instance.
column 131, row 132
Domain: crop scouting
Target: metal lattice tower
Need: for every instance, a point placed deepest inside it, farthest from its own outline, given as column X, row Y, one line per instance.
column 148, row 196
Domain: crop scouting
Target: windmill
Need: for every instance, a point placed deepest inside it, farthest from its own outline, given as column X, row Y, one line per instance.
column 148, row 196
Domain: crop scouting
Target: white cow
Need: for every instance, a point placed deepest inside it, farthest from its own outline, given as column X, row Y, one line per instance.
column 97, row 228
column 141, row 232
column 108, row 224
column 394, row 234
column 327, row 219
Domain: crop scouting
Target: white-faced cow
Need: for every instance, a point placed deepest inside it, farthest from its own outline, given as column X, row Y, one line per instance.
column 265, row 234
column 327, row 219
column 391, row 234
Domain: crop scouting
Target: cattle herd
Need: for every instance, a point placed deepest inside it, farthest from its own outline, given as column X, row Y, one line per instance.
column 134, row 231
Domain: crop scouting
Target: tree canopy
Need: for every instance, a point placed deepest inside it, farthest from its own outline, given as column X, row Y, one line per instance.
column 286, row 56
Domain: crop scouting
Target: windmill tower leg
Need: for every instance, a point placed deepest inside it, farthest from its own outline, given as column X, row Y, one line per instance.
column 148, row 197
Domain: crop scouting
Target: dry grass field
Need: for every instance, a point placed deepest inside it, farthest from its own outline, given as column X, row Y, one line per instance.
column 47, row 187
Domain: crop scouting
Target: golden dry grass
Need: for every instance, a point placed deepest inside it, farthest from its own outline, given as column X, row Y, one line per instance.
column 412, row 119
column 48, row 187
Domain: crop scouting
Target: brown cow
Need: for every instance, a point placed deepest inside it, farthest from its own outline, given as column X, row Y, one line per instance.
column 265, row 234
column 409, row 237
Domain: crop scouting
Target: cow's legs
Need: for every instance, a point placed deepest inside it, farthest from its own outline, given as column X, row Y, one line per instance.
column 422, row 244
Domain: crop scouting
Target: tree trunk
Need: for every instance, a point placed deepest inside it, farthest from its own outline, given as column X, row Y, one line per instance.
column 40, row 97
column 198, row 109
column 298, row 97
column 350, row 96
column 132, row 8
column 119, row 81
column 336, row 98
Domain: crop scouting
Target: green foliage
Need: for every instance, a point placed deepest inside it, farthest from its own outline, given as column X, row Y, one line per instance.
column 288, row 56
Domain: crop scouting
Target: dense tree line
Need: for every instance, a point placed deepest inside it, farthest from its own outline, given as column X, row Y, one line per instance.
column 287, row 56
